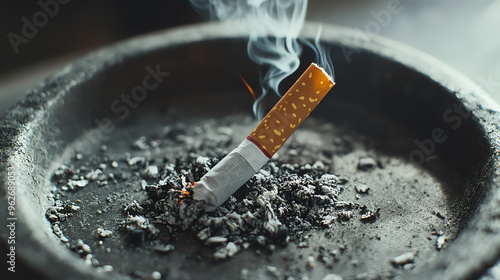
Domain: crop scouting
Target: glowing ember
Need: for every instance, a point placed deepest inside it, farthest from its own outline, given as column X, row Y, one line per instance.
column 186, row 192
column 249, row 87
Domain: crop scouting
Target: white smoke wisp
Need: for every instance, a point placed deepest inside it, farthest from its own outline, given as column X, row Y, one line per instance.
column 274, row 27
column 322, row 53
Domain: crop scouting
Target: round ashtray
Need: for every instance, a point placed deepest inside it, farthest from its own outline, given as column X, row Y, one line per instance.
column 394, row 175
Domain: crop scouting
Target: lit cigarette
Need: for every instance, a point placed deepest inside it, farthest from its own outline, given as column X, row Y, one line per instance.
column 264, row 141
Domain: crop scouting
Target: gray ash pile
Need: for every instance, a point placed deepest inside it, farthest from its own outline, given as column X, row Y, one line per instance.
column 280, row 204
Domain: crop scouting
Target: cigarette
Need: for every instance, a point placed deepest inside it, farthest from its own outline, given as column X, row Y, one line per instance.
column 234, row 170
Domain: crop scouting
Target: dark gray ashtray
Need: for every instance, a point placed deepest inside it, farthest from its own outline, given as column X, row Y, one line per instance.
column 411, row 106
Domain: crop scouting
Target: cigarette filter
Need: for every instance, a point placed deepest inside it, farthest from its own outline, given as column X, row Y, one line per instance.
column 264, row 141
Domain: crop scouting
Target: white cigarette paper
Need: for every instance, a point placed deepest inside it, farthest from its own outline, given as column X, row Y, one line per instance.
column 229, row 174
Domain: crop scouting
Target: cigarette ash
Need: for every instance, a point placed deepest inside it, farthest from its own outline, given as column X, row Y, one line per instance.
column 59, row 213
column 280, row 204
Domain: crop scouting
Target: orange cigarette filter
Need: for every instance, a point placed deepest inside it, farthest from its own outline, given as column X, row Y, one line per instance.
column 297, row 103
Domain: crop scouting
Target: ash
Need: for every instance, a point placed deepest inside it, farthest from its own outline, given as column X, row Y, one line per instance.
column 282, row 203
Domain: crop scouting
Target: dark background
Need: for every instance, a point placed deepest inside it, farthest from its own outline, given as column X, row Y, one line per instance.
column 81, row 26
column 462, row 33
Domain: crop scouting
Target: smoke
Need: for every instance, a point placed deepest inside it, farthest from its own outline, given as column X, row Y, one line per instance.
column 274, row 27
column 322, row 54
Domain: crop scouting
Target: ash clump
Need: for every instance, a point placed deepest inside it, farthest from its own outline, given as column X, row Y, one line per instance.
column 278, row 205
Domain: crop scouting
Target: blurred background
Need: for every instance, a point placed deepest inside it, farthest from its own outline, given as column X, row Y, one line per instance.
column 462, row 33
